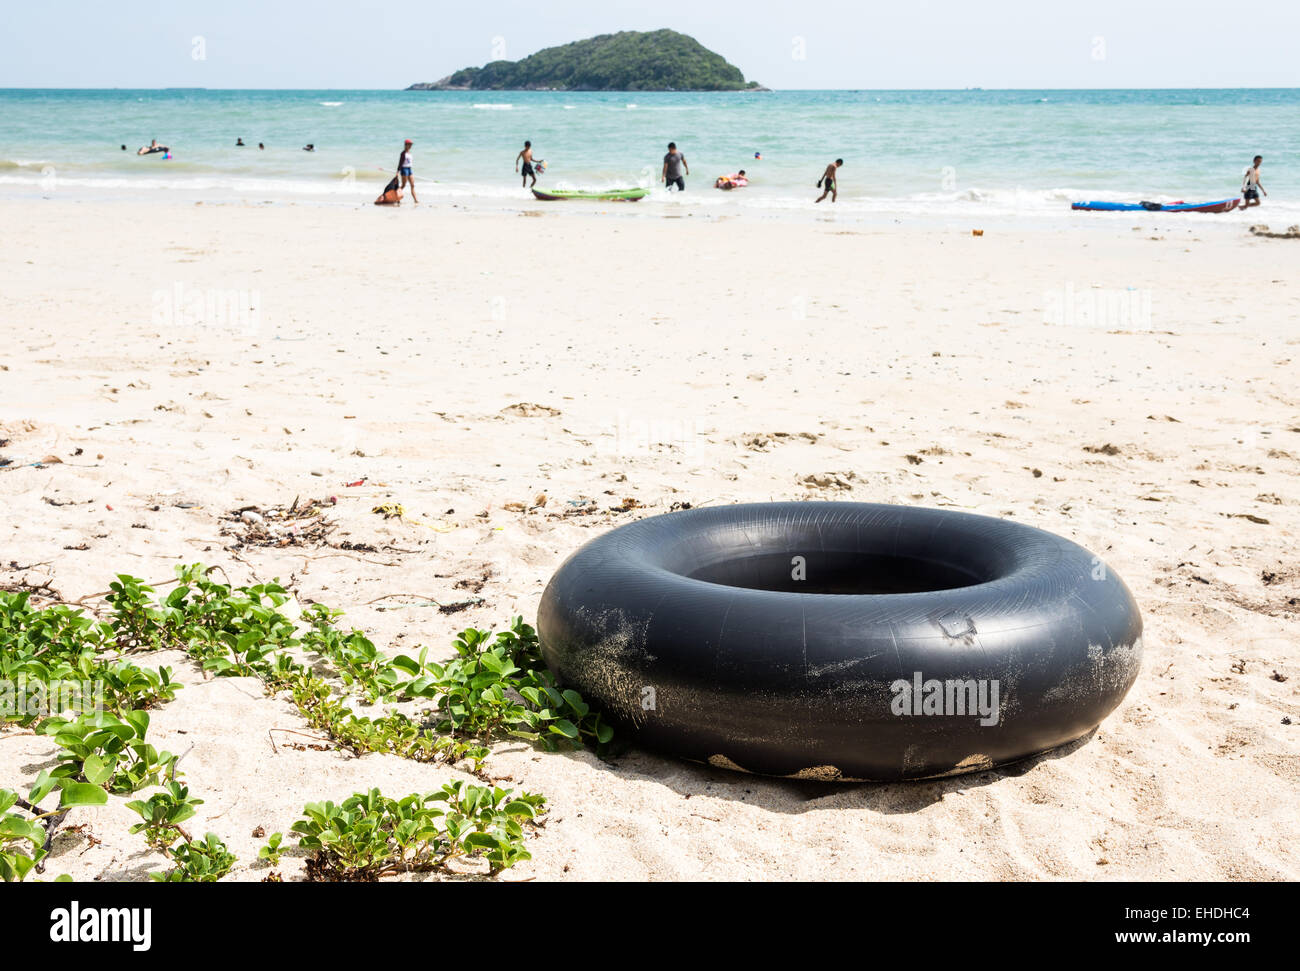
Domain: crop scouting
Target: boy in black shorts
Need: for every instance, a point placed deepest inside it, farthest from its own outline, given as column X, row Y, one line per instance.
column 830, row 179
column 527, row 156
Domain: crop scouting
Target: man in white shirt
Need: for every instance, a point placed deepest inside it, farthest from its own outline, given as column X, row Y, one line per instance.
column 1250, row 184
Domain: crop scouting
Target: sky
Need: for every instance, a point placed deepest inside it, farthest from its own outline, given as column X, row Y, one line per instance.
column 788, row 44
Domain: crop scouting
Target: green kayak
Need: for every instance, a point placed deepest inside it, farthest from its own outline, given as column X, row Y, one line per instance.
column 609, row 195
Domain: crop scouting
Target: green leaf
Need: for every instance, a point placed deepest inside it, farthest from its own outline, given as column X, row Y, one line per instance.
column 139, row 720
column 74, row 794
column 565, row 727
column 98, row 770
column 43, row 786
column 404, row 663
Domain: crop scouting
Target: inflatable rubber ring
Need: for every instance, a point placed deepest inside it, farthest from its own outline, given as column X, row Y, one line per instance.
column 842, row 641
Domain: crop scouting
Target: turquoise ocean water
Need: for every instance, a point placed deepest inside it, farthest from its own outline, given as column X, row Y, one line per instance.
column 967, row 153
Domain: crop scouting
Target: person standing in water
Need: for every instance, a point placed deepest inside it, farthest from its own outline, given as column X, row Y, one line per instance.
column 1251, row 187
column 830, row 179
column 526, row 156
column 404, row 170
column 675, row 169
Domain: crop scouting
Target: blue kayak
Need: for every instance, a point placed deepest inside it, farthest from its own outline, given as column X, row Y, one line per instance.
column 1223, row 205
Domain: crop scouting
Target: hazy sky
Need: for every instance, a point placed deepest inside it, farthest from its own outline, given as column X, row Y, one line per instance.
column 789, row 44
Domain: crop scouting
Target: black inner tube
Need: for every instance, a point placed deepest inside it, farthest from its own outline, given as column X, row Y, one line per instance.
column 774, row 637
column 838, row 572
column 856, row 559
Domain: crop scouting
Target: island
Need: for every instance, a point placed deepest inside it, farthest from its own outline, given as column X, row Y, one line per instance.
column 631, row 60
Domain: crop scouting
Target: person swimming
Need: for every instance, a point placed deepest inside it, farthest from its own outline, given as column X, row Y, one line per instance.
column 309, row 147
column 239, row 143
column 152, row 148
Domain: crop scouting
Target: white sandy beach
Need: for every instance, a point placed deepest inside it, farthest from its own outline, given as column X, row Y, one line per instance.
column 676, row 360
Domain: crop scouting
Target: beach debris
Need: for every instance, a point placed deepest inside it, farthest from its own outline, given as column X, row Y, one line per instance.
column 830, row 480
column 529, row 409
column 475, row 584
column 1250, row 516
column 8, row 465
column 1107, row 449
column 765, row 441
column 351, row 547
column 1292, row 232
column 977, row 232
column 421, row 600
column 298, row 524
column 352, row 485
column 40, row 588
column 393, row 510
column 459, row 605
column 538, row 502
column 583, row 507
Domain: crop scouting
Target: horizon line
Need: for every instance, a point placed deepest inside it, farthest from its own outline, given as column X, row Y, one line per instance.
column 186, row 87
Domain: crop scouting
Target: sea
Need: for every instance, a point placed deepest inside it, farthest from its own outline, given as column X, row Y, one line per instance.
column 958, row 155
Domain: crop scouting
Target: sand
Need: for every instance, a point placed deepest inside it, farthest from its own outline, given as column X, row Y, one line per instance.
column 1129, row 385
